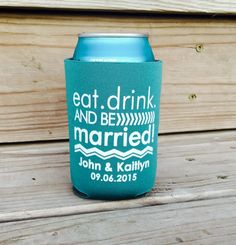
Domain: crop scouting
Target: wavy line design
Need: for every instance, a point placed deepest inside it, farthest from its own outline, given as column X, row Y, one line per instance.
column 113, row 153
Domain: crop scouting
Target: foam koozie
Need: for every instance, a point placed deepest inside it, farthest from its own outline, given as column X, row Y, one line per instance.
column 113, row 114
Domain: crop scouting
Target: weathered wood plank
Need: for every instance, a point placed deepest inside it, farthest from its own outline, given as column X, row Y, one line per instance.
column 163, row 6
column 199, row 91
column 35, row 183
column 203, row 222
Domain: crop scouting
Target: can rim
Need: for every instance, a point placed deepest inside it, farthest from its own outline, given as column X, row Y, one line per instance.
column 112, row 34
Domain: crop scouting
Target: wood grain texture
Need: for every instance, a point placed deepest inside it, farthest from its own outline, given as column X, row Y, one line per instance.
column 161, row 6
column 207, row 222
column 34, row 178
column 199, row 86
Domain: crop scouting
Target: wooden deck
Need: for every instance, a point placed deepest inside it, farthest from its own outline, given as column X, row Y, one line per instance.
column 194, row 198
column 193, row 201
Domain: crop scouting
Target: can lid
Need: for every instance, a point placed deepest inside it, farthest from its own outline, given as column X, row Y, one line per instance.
column 113, row 34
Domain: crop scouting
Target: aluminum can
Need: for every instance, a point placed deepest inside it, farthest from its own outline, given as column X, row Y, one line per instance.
column 113, row 47
column 113, row 85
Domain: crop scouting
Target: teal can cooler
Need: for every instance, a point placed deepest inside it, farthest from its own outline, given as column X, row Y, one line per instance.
column 113, row 87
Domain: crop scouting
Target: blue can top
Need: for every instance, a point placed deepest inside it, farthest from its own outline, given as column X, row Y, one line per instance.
column 113, row 47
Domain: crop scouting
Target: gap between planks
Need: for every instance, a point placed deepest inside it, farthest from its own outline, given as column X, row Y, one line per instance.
column 159, row 135
column 148, row 6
